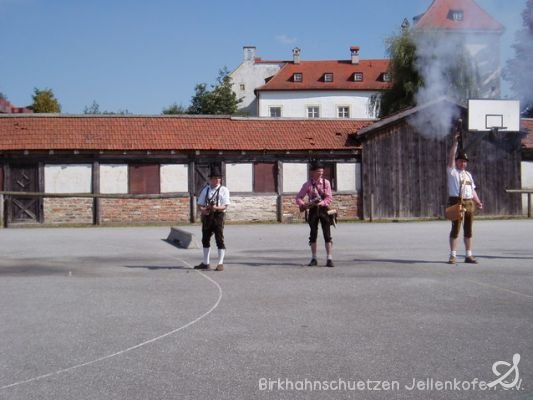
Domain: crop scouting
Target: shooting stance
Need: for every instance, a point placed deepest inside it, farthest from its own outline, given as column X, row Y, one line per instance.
column 212, row 203
column 318, row 192
column 461, row 187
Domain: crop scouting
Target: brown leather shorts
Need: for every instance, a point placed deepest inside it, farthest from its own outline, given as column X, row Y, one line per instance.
column 468, row 218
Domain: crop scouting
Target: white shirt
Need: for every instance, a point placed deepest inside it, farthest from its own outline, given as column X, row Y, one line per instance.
column 455, row 179
column 208, row 193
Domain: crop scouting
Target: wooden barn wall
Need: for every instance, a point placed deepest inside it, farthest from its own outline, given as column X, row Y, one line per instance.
column 404, row 173
column 495, row 166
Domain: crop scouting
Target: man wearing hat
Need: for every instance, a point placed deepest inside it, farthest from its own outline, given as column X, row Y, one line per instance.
column 212, row 203
column 318, row 192
column 461, row 185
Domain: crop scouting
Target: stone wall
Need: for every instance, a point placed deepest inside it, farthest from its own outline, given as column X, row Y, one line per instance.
column 348, row 207
column 70, row 210
column 144, row 210
column 243, row 208
column 290, row 211
column 252, row 208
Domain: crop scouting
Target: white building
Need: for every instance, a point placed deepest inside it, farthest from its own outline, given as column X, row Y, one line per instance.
column 250, row 74
column 464, row 21
column 310, row 89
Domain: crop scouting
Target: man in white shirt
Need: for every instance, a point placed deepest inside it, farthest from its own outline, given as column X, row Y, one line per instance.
column 212, row 204
column 461, row 185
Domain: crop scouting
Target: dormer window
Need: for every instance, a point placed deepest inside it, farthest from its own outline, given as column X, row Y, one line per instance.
column 297, row 77
column 387, row 77
column 328, row 77
column 456, row 15
column 357, row 76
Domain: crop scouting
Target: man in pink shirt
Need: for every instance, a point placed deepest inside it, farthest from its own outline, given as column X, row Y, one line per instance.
column 318, row 192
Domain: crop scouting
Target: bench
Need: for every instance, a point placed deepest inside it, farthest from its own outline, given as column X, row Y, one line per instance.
column 524, row 191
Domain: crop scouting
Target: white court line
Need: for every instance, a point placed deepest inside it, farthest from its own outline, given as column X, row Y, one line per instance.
column 118, row 353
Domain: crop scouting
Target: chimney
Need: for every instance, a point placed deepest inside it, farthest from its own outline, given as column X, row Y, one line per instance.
column 296, row 55
column 354, row 50
column 248, row 53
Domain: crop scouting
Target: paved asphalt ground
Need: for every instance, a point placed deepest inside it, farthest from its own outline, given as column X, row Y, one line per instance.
column 117, row 313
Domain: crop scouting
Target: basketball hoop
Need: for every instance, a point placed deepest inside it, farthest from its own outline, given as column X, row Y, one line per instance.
column 493, row 116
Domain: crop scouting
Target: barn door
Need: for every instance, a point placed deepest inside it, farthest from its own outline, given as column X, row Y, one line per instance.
column 24, row 178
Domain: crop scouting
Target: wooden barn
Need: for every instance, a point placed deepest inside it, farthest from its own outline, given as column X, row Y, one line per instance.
column 82, row 169
column 404, row 167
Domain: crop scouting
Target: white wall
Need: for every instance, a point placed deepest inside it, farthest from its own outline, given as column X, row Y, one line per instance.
column 294, row 103
column 527, row 181
column 67, row 178
column 174, row 178
column 346, row 177
column 113, row 178
column 251, row 75
column 294, row 176
column 239, row 177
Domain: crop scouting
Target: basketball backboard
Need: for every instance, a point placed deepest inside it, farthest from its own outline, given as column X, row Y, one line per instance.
column 486, row 115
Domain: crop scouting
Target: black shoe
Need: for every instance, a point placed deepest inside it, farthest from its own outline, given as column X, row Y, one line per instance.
column 470, row 260
column 330, row 264
column 201, row 266
column 312, row 263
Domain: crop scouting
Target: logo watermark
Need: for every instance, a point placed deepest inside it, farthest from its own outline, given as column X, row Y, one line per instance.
column 502, row 382
column 501, row 377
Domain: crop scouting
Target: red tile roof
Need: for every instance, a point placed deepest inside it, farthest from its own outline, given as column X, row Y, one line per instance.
column 259, row 60
column 343, row 70
column 527, row 126
column 8, row 108
column 63, row 132
column 438, row 16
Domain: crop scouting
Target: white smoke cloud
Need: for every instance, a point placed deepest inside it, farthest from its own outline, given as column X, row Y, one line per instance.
column 440, row 53
column 519, row 70
column 436, row 57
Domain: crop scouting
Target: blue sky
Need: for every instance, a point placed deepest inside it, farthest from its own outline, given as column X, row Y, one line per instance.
column 145, row 55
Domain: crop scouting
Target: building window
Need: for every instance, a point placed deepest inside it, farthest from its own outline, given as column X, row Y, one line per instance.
column 275, row 112
column 243, row 86
column 265, row 177
column 387, row 77
column 328, row 77
column 358, row 76
column 313, row 112
column 456, row 15
column 343, row 112
column 298, row 77
column 144, row 178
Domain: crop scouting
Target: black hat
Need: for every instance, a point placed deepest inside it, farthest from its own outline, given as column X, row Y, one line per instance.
column 316, row 165
column 461, row 155
column 215, row 172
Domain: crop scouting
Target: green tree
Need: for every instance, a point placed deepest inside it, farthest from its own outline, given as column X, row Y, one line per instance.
column 518, row 69
column 405, row 78
column 44, row 101
column 94, row 109
column 221, row 99
column 174, row 109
